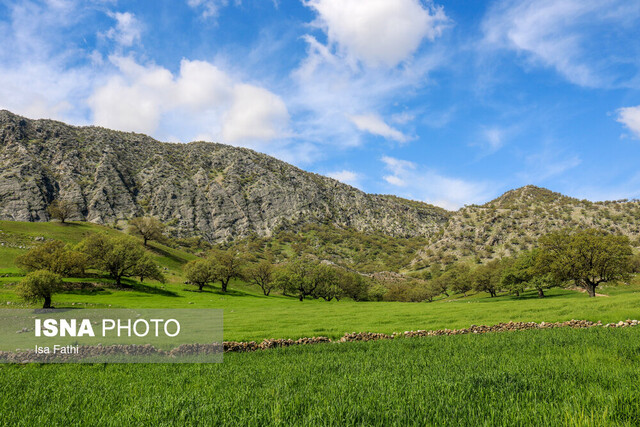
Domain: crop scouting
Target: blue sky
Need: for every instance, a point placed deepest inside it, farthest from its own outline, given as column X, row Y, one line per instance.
column 449, row 102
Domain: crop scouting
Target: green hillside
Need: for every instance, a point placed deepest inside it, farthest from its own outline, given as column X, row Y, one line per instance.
column 249, row 315
column 17, row 237
column 535, row 377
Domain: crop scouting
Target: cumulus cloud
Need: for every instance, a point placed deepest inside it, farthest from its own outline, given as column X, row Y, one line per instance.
column 429, row 186
column 378, row 32
column 346, row 176
column 374, row 124
column 35, row 77
column 568, row 35
column 139, row 97
column 630, row 117
column 373, row 59
column 328, row 91
column 255, row 114
column 127, row 30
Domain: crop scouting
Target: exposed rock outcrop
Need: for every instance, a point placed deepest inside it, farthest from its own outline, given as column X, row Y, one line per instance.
column 213, row 190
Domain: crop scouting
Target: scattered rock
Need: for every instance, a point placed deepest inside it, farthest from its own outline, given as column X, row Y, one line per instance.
column 473, row 329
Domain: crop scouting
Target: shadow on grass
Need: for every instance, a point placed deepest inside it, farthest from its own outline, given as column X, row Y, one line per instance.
column 167, row 254
column 148, row 289
column 88, row 291
column 208, row 289
column 55, row 310
column 70, row 224
column 133, row 285
column 522, row 297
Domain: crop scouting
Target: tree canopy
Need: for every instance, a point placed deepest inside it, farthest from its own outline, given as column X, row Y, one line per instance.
column 147, row 227
column 40, row 285
column 118, row 256
column 261, row 274
column 588, row 257
column 60, row 209
column 56, row 257
column 228, row 265
column 200, row 272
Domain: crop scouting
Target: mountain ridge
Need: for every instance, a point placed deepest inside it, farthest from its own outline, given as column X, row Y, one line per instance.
column 215, row 190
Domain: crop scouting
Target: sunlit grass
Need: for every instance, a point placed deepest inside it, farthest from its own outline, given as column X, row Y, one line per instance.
column 536, row 377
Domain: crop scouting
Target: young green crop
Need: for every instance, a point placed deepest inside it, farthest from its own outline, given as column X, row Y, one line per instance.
column 535, row 377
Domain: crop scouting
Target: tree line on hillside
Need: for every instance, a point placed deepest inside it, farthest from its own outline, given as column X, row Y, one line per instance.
column 301, row 277
column 584, row 258
column 117, row 256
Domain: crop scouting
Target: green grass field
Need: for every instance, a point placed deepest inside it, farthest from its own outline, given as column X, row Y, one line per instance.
column 248, row 315
column 537, row 377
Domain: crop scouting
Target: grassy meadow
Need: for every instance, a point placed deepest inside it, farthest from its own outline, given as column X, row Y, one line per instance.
column 249, row 315
column 536, row 377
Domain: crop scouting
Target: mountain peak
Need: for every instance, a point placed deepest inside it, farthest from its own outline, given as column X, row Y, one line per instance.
column 527, row 195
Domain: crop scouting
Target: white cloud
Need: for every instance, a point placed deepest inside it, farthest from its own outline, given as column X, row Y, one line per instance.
column 346, row 176
column 333, row 83
column 127, row 30
column 209, row 8
column 547, row 164
column 35, row 79
column 494, row 137
column 395, row 180
column 374, row 124
column 572, row 36
column 403, row 118
column 133, row 100
column 255, row 114
column 378, row 32
column 630, row 117
column 431, row 187
column 140, row 97
column 328, row 90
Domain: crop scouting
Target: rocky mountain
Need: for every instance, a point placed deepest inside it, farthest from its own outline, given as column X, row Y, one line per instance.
column 514, row 221
column 225, row 193
column 213, row 190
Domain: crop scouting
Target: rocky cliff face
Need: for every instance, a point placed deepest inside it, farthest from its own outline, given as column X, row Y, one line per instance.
column 213, row 190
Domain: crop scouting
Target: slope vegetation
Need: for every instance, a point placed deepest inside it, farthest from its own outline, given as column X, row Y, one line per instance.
column 514, row 221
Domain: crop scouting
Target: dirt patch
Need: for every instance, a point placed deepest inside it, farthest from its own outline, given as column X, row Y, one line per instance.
column 584, row 291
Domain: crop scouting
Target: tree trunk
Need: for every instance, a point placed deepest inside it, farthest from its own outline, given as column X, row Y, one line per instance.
column 47, row 301
column 517, row 293
column 145, row 240
column 118, row 282
column 540, row 293
column 301, row 296
column 200, row 286
column 591, row 289
column 224, row 285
